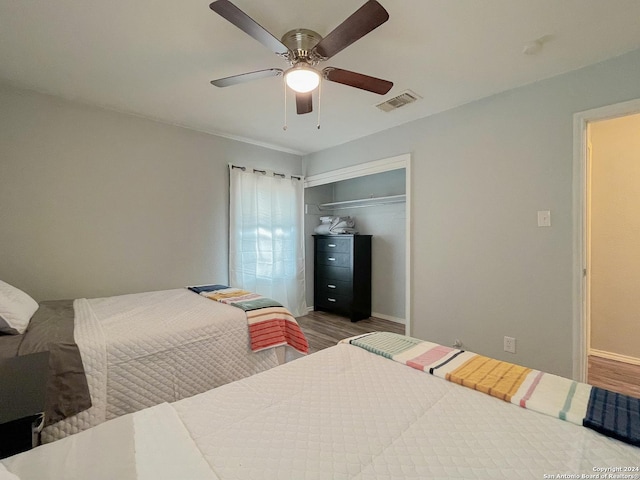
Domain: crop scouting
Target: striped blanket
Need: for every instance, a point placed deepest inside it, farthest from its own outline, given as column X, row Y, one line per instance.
column 270, row 324
column 612, row 414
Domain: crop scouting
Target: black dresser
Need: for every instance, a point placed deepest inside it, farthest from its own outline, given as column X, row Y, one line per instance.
column 342, row 275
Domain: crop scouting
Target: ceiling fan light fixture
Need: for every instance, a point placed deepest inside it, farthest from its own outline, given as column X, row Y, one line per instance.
column 302, row 78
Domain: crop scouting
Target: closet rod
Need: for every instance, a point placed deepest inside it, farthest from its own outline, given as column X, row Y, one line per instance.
column 363, row 202
column 264, row 172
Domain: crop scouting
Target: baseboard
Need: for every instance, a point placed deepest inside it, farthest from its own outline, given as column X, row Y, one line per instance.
column 401, row 321
column 614, row 356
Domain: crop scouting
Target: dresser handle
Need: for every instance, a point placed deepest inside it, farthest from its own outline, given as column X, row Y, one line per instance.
column 331, row 286
column 331, row 299
column 331, row 259
column 332, row 245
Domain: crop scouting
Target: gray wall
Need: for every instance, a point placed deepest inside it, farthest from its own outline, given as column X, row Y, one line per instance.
column 482, row 269
column 97, row 203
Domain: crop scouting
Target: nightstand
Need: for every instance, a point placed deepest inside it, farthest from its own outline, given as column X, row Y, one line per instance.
column 23, row 386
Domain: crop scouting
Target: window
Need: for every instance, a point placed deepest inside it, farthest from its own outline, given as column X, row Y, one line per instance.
column 266, row 242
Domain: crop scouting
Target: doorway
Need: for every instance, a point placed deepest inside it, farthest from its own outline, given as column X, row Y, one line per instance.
column 608, row 151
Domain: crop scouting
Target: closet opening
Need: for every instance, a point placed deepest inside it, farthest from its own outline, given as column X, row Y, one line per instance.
column 376, row 197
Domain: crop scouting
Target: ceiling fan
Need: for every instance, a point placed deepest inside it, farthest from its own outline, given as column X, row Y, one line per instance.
column 304, row 49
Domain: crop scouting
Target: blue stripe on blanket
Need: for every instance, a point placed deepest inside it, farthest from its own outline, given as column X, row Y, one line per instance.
column 207, row 288
column 256, row 304
column 614, row 414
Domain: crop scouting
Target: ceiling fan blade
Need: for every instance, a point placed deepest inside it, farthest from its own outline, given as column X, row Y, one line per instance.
column 244, row 22
column 246, row 77
column 304, row 103
column 358, row 80
column 367, row 18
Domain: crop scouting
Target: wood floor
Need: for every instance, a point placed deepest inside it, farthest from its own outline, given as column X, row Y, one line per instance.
column 614, row 376
column 324, row 330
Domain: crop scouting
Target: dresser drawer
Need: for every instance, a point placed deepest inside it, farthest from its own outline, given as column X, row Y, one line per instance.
column 334, row 244
column 330, row 287
column 328, row 272
column 337, row 302
column 334, row 259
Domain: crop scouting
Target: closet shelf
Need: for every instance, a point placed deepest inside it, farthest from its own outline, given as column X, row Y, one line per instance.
column 363, row 202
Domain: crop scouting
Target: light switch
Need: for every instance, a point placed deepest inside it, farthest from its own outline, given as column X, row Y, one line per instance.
column 544, row 218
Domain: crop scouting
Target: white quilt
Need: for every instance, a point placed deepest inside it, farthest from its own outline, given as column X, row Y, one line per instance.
column 143, row 349
column 342, row 413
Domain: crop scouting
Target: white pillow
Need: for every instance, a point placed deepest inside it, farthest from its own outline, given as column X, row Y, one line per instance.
column 16, row 309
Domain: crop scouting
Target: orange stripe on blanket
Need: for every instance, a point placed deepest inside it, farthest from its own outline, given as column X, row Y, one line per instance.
column 270, row 324
column 487, row 375
column 291, row 332
column 282, row 327
column 277, row 331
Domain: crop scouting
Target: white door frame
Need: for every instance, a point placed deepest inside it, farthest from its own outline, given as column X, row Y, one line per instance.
column 580, row 227
column 370, row 168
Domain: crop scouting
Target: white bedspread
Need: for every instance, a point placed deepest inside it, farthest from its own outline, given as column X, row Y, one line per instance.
column 152, row 444
column 343, row 413
column 143, row 349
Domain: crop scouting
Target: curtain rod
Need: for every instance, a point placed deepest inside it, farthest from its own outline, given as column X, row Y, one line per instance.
column 264, row 172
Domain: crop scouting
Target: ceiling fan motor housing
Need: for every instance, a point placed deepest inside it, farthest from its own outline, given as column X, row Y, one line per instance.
column 300, row 42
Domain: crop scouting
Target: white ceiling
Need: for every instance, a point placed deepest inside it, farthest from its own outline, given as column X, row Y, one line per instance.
column 156, row 58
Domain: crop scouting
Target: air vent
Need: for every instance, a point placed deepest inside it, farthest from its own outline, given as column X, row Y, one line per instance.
column 398, row 101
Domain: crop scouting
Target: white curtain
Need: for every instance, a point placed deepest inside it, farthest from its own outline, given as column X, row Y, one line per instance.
column 266, row 236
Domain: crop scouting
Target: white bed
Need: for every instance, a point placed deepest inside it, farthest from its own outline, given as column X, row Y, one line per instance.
column 342, row 413
column 143, row 349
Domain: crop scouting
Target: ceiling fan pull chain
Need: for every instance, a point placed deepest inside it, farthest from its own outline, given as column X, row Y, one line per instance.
column 319, row 102
column 284, row 84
